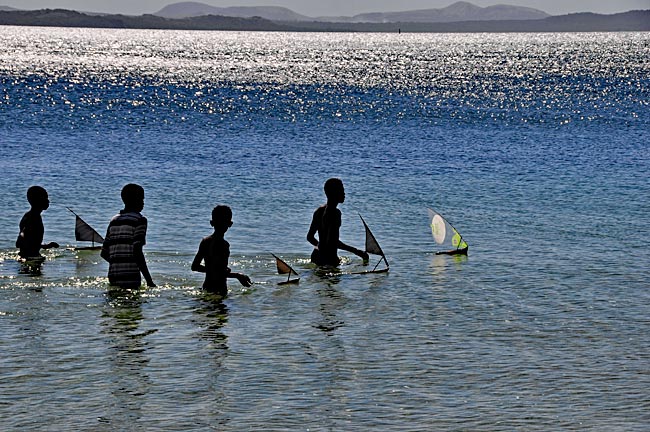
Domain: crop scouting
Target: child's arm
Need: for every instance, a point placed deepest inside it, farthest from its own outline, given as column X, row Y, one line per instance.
column 139, row 240
column 242, row 278
column 363, row 254
column 105, row 252
column 313, row 228
column 198, row 259
column 142, row 264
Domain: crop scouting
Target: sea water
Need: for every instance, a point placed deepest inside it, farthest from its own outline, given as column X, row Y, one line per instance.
column 535, row 146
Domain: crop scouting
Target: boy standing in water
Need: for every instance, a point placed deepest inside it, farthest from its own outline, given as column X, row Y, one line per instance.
column 125, row 237
column 327, row 223
column 30, row 239
column 214, row 251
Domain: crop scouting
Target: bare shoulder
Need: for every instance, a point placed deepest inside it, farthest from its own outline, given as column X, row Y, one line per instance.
column 318, row 213
column 205, row 242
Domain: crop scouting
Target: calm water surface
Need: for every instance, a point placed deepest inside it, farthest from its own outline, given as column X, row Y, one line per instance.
column 534, row 145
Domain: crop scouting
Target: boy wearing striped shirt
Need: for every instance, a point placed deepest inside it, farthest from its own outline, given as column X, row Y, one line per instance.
column 125, row 237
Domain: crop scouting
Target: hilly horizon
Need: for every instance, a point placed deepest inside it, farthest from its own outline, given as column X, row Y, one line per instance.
column 456, row 12
column 581, row 22
column 195, row 9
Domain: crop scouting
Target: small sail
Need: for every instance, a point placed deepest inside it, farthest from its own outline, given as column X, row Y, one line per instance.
column 284, row 268
column 84, row 232
column 445, row 234
column 372, row 245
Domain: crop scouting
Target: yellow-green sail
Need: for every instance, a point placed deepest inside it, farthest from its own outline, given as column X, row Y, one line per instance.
column 444, row 234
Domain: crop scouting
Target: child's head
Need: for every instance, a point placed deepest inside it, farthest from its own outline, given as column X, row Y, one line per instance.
column 37, row 198
column 221, row 218
column 133, row 197
column 334, row 190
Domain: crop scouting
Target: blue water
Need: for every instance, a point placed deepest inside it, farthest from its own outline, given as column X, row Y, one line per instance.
column 534, row 145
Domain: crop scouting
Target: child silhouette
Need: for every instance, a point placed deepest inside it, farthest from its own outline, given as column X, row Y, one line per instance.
column 214, row 252
column 125, row 237
column 30, row 238
column 327, row 223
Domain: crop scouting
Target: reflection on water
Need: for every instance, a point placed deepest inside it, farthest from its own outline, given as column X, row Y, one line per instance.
column 211, row 316
column 31, row 267
column 331, row 301
column 129, row 382
column 442, row 263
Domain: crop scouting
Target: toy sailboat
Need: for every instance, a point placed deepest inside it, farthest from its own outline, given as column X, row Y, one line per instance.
column 84, row 232
column 284, row 268
column 372, row 247
column 446, row 235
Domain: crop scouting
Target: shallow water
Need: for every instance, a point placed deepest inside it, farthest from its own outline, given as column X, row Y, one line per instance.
column 533, row 145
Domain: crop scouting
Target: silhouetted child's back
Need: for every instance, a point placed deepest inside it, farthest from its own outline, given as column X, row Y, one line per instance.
column 30, row 238
column 125, row 237
column 214, row 252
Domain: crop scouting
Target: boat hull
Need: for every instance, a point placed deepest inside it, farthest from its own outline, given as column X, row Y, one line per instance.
column 462, row 251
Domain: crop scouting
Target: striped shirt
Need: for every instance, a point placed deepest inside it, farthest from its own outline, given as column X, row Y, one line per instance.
column 125, row 231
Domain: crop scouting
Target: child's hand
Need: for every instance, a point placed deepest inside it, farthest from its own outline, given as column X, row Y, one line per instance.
column 244, row 280
column 364, row 256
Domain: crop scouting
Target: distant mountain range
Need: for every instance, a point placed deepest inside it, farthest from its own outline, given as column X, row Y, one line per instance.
column 194, row 9
column 581, row 22
column 459, row 11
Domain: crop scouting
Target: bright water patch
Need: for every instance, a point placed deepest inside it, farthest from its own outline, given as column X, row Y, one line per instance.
column 533, row 145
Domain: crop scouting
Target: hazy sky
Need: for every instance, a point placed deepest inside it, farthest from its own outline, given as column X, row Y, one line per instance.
column 331, row 7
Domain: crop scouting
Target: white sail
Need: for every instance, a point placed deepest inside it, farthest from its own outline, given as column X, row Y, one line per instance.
column 445, row 234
